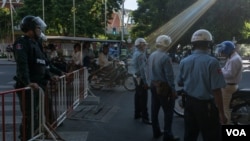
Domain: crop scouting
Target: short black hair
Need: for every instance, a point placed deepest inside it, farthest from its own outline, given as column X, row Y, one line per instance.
column 77, row 45
column 51, row 46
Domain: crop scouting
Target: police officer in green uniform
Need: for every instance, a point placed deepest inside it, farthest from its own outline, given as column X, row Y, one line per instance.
column 31, row 70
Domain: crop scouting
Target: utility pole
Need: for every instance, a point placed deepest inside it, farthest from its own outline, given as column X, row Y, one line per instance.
column 105, row 30
column 122, row 31
column 12, row 25
column 43, row 11
column 74, row 17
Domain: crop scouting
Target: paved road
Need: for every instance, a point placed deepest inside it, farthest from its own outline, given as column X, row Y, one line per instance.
column 106, row 117
column 110, row 119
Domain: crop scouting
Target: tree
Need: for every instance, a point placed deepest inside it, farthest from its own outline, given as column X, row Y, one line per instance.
column 225, row 19
column 152, row 14
column 59, row 14
column 5, row 23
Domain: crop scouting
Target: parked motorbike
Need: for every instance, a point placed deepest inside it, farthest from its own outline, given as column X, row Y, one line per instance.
column 240, row 106
column 113, row 75
column 180, row 103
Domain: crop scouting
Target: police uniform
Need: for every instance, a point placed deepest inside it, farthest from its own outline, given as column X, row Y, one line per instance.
column 141, row 95
column 31, row 67
column 200, row 74
column 160, row 69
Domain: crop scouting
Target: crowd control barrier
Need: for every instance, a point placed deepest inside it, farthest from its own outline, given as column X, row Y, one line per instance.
column 54, row 104
column 39, row 129
column 65, row 95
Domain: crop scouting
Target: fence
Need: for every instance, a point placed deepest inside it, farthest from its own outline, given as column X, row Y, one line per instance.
column 59, row 99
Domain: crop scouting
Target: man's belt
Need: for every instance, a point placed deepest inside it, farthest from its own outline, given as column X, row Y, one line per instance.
column 231, row 83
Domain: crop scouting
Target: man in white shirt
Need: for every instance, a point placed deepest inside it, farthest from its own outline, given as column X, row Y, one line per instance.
column 77, row 55
column 103, row 56
column 232, row 72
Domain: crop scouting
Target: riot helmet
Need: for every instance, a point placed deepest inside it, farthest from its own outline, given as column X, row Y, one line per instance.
column 226, row 47
column 32, row 23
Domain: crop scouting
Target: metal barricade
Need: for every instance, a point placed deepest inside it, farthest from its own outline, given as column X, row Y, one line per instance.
column 36, row 123
column 54, row 105
column 65, row 95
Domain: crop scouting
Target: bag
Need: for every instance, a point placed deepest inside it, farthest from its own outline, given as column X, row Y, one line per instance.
column 162, row 88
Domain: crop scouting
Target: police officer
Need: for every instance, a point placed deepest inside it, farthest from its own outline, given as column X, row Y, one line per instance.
column 232, row 72
column 31, row 70
column 141, row 92
column 201, row 76
column 161, row 81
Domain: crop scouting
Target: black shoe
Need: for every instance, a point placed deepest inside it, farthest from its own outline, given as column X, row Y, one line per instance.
column 146, row 121
column 137, row 117
column 156, row 136
column 173, row 138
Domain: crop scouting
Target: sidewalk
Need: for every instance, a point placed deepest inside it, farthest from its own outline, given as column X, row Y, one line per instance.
column 5, row 61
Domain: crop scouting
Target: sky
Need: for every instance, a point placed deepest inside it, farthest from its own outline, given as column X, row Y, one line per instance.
column 130, row 4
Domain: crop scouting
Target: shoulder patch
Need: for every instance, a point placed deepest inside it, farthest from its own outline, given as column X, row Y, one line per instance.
column 219, row 71
column 19, row 46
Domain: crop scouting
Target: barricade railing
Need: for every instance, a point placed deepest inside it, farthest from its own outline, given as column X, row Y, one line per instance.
column 55, row 104
column 27, row 123
column 65, row 95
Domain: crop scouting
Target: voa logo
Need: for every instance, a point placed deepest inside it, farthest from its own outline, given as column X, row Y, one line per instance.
column 236, row 132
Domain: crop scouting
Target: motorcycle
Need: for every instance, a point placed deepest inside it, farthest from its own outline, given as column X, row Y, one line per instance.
column 113, row 75
column 240, row 106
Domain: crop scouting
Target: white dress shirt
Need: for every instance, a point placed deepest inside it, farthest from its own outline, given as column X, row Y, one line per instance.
column 77, row 57
column 232, row 70
column 103, row 60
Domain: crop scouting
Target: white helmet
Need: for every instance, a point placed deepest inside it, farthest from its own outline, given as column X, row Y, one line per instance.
column 140, row 40
column 202, row 35
column 163, row 41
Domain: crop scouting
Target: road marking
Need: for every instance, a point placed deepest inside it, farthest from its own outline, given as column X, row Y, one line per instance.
column 6, row 87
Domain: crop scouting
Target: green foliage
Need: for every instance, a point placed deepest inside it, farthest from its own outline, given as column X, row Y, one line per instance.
column 152, row 14
column 244, row 50
column 246, row 30
column 2, row 55
column 225, row 19
column 59, row 15
column 5, row 23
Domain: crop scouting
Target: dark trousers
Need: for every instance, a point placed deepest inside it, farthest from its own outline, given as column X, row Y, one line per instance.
column 140, row 101
column 201, row 116
column 25, row 105
column 86, row 61
column 167, row 104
